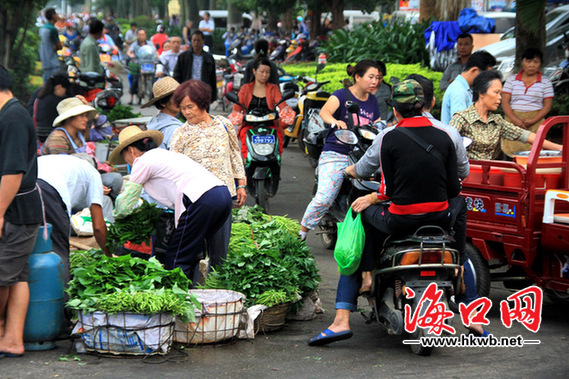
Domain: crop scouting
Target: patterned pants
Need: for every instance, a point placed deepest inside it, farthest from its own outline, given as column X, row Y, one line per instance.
column 331, row 166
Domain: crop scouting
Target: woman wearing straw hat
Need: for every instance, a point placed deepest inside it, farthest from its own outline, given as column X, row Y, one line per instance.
column 165, row 121
column 212, row 142
column 68, row 138
column 201, row 202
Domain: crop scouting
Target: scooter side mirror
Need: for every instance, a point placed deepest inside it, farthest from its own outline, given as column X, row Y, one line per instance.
column 320, row 67
column 354, row 107
column 287, row 94
column 232, row 96
column 394, row 80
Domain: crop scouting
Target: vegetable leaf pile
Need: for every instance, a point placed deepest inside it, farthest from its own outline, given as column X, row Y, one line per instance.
column 265, row 255
column 127, row 284
column 136, row 227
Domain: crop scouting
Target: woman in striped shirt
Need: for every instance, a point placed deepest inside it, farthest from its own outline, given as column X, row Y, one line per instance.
column 527, row 98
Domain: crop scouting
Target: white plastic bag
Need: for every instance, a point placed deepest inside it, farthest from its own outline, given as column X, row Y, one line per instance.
column 82, row 224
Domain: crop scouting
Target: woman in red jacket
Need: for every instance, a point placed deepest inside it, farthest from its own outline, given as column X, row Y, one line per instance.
column 260, row 94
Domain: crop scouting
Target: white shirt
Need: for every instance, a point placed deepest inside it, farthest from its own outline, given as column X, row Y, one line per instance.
column 77, row 182
column 167, row 176
column 167, row 62
column 207, row 24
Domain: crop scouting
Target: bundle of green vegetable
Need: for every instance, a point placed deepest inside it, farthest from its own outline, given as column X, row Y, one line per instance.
column 127, row 284
column 136, row 227
column 266, row 256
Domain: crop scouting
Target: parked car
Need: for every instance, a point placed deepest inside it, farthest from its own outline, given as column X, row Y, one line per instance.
column 556, row 21
column 504, row 20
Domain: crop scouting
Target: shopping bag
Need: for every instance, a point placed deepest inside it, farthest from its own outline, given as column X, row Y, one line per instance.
column 350, row 243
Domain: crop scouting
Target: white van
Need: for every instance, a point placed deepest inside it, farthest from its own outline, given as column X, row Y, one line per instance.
column 220, row 18
column 355, row 17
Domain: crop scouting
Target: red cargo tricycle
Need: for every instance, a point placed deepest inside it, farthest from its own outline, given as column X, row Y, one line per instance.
column 518, row 218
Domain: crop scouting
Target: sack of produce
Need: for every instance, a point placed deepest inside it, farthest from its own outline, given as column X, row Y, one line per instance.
column 217, row 320
column 125, row 333
column 350, row 244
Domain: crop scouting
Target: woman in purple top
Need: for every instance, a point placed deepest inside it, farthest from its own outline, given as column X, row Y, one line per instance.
column 334, row 157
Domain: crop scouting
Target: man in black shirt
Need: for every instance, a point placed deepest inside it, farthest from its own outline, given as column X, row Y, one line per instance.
column 20, row 215
column 195, row 63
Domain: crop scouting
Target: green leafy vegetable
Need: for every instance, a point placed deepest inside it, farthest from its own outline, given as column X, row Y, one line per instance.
column 265, row 255
column 127, row 284
column 136, row 227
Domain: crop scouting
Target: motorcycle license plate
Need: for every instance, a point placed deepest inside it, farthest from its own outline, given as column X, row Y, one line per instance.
column 264, row 139
column 147, row 67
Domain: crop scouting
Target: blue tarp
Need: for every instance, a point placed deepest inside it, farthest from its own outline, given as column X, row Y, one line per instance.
column 470, row 22
column 445, row 34
column 447, row 31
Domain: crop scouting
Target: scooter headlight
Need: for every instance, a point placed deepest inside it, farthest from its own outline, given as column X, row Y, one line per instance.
column 367, row 134
column 252, row 118
column 264, row 148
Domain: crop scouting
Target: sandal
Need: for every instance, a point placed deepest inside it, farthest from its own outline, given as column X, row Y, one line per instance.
column 329, row 337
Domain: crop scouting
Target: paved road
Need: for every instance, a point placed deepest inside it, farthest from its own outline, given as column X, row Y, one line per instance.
column 370, row 353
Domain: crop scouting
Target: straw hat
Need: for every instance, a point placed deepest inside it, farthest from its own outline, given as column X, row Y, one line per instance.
column 71, row 107
column 129, row 135
column 116, row 68
column 162, row 88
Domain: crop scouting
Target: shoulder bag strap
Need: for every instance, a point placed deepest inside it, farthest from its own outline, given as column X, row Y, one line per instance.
column 421, row 142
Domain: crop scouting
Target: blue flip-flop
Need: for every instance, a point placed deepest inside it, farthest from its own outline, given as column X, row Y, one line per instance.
column 329, row 337
column 10, row 355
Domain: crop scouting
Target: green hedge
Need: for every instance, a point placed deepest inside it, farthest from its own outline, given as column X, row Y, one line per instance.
column 336, row 73
column 396, row 42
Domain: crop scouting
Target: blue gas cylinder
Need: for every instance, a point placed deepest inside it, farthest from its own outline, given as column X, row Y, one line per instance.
column 45, row 311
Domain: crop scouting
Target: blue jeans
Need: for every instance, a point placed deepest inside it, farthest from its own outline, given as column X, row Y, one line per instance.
column 470, row 293
column 348, row 290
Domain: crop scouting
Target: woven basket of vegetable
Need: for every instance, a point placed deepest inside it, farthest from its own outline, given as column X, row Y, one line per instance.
column 271, row 319
column 217, row 320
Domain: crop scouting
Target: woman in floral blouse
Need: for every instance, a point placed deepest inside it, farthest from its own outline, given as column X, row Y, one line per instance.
column 212, row 142
column 486, row 128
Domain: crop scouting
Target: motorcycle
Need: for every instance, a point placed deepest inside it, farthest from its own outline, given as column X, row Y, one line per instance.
column 310, row 100
column 560, row 77
column 263, row 163
column 407, row 263
column 241, row 52
column 101, row 90
column 301, row 52
column 360, row 137
column 232, row 77
column 279, row 53
column 146, row 58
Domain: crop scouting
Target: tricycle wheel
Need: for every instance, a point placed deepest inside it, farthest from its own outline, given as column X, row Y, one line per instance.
column 481, row 270
column 286, row 140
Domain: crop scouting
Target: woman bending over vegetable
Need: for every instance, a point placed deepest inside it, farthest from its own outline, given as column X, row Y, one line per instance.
column 201, row 201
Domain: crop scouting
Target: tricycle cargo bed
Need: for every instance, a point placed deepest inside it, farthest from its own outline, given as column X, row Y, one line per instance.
column 505, row 219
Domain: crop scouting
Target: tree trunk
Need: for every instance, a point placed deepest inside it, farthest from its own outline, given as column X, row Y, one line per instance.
column 316, row 24
column 234, row 17
column 525, row 39
column 442, row 9
column 337, row 10
column 287, row 21
column 427, row 9
column 194, row 14
column 272, row 21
